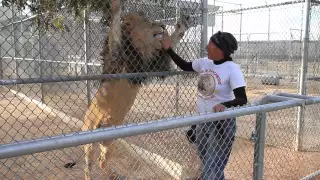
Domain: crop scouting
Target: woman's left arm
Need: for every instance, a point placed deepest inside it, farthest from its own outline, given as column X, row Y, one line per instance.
column 240, row 98
column 238, row 84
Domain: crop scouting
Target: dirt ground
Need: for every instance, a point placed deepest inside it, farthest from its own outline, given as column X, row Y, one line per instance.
column 21, row 120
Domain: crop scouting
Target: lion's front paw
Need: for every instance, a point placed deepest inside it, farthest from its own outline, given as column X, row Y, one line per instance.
column 184, row 23
column 185, row 20
column 115, row 5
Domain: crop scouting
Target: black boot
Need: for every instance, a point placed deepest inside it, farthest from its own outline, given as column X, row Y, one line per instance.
column 191, row 134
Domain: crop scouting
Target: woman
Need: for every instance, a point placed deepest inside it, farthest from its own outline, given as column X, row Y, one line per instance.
column 220, row 79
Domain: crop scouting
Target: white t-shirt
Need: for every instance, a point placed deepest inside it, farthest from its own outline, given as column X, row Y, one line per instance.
column 216, row 82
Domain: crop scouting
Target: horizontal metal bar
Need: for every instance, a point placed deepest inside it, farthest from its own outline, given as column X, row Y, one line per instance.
column 260, row 7
column 315, row 1
column 95, row 77
column 90, row 77
column 299, row 96
column 311, row 176
column 314, row 78
column 80, row 62
column 277, row 98
column 271, row 99
column 20, row 21
column 103, row 134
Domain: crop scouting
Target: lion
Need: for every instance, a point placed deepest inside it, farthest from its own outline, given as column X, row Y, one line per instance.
column 132, row 46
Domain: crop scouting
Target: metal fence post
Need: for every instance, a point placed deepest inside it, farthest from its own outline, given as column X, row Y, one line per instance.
column 178, row 78
column 86, row 48
column 240, row 40
column 303, row 71
column 258, row 163
column 222, row 18
column 1, row 68
column 40, row 65
column 204, row 23
column 268, row 22
column 14, row 42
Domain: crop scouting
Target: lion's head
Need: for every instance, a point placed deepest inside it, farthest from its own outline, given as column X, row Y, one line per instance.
column 145, row 35
column 142, row 41
column 140, row 48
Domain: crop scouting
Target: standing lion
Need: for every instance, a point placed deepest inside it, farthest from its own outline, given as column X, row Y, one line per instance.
column 132, row 46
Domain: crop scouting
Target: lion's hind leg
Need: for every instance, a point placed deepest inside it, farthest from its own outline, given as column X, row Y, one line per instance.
column 88, row 150
column 107, row 150
column 119, row 103
column 92, row 120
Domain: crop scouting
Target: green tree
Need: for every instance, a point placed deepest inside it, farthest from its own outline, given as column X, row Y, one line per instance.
column 49, row 11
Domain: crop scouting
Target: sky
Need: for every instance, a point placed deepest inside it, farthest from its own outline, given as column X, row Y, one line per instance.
column 286, row 21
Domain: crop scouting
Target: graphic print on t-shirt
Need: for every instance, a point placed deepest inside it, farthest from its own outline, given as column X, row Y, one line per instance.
column 216, row 82
column 207, row 83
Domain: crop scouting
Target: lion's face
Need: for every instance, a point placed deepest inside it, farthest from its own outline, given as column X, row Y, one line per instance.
column 146, row 36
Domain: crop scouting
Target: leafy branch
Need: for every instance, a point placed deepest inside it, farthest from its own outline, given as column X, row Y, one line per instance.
column 49, row 12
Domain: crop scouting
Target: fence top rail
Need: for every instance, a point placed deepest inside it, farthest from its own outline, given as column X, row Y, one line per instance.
column 315, row 1
column 50, row 79
column 56, row 79
column 79, row 62
column 259, row 7
column 102, row 134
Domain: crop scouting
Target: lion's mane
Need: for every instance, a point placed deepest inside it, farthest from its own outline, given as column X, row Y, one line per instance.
column 134, row 54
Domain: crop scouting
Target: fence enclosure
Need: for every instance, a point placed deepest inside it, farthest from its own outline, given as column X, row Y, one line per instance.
column 271, row 54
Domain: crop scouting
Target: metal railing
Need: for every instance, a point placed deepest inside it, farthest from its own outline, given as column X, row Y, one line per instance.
column 34, row 63
column 269, row 103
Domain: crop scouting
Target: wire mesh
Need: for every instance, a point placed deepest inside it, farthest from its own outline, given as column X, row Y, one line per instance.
column 282, row 163
column 270, row 60
column 138, row 157
column 270, row 42
column 61, row 53
column 270, row 45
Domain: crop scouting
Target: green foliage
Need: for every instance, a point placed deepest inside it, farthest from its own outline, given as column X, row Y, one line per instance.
column 49, row 11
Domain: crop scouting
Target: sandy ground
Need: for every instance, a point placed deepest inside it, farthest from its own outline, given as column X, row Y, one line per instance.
column 21, row 120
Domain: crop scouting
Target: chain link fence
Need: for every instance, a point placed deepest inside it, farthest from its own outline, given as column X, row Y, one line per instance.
column 270, row 53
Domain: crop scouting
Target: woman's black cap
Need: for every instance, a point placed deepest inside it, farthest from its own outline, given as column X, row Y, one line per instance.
column 225, row 41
